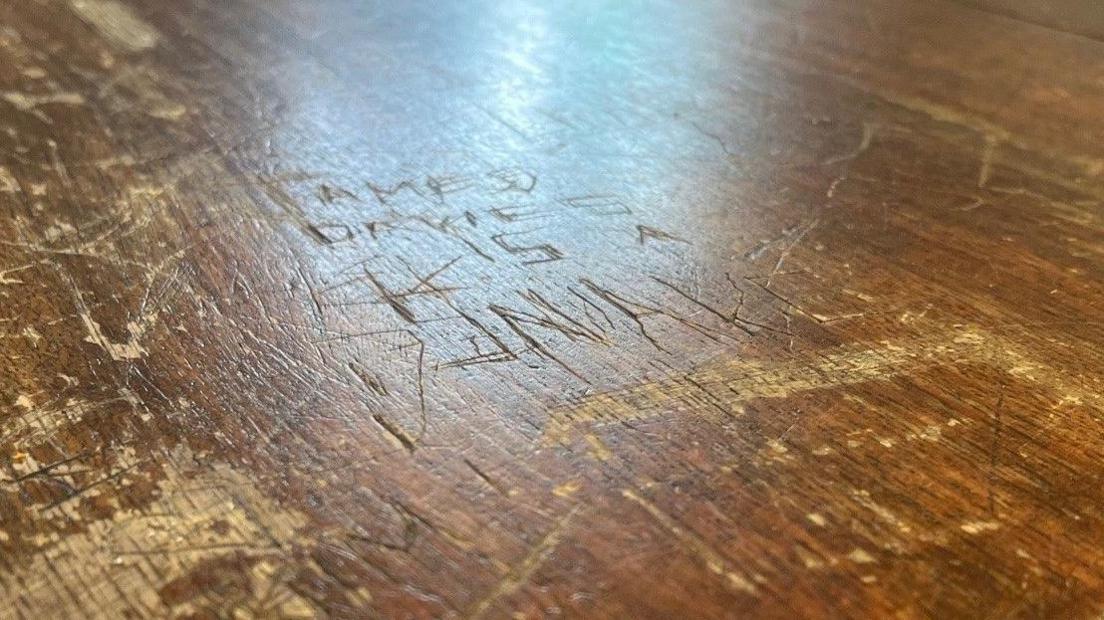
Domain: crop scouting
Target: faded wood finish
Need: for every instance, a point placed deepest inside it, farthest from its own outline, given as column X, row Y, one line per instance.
column 517, row 309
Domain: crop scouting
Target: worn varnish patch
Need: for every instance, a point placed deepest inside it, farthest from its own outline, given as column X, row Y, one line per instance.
column 129, row 562
column 724, row 388
column 117, row 23
column 25, row 102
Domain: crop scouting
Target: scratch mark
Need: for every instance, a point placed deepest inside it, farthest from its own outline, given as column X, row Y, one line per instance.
column 987, row 153
column 391, row 299
column 710, row 309
column 994, row 448
column 4, row 279
column 551, row 253
column 623, row 304
column 800, row 234
column 371, row 381
column 979, row 527
column 712, row 136
column 497, row 118
column 521, row 572
column 485, row 478
column 598, row 204
column 864, row 144
column 131, row 349
column 401, row 438
column 647, row 232
column 59, row 166
column 714, row 561
column 512, row 179
column 515, row 320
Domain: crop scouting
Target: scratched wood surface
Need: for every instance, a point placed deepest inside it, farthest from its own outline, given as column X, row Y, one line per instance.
column 515, row 309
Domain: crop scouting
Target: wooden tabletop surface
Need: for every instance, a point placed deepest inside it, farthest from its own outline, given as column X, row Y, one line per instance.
column 592, row 309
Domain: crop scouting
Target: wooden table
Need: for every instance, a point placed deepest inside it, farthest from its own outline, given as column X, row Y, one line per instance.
column 592, row 309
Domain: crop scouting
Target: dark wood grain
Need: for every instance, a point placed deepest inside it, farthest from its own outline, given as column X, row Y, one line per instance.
column 516, row 310
column 1083, row 18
